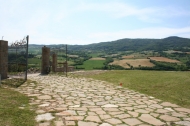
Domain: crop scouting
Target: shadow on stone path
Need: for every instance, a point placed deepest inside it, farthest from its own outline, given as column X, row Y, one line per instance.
column 65, row 101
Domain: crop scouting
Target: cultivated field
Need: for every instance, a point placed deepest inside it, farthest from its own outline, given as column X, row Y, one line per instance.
column 90, row 64
column 128, row 57
column 164, row 59
column 97, row 58
column 133, row 62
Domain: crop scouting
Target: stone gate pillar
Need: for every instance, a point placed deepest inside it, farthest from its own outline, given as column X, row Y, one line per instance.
column 3, row 58
column 45, row 60
column 54, row 62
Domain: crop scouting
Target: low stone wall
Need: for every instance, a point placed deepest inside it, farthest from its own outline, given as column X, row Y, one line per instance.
column 63, row 69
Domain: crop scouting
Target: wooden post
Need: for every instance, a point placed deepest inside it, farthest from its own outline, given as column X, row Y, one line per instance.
column 27, row 39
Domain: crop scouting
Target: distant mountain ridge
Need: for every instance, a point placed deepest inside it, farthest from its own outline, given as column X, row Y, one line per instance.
column 169, row 43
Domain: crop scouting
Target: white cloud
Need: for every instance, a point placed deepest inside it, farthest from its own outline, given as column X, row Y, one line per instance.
column 147, row 14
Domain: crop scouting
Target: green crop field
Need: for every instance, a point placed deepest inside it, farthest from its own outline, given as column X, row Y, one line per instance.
column 168, row 86
column 90, row 64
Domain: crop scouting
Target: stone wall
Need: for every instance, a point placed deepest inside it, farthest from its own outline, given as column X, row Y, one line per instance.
column 3, row 58
column 54, row 62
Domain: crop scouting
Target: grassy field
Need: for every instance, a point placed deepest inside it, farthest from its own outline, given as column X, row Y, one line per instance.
column 168, row 86
column 90, row 64
column 10, row 113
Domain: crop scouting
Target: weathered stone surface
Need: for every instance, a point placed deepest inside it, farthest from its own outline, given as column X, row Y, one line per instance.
column 183, row 110
column 92, row 103
column 46, row 116
column 44, row 97
column 184, row 123
column 151, row 120
column 82, row 123
column 103, row 117
column 59, row 123
column 113, row 121
column 70, row 123
column 109, row 106
column 105, row 124
column 169, row 109
column 74, row 118
column 169, row 104
column 134, row 114
column 93, row 119
column 142, row 111
column 169, row 118
column 132, row 121
column 122, row 116
column 66, row 113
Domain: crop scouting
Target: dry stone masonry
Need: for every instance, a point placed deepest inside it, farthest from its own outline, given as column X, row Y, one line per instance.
column 3, row 58
column 45, row 60
column 85, row 102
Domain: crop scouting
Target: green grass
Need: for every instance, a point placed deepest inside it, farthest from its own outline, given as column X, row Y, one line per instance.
column 10, row 113
column 168, row 86
column 34, row 60
column 90, row 64
column 15, row 82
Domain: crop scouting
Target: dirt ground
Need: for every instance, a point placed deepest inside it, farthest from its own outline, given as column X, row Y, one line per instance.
column 133, row 62
column 164, row 59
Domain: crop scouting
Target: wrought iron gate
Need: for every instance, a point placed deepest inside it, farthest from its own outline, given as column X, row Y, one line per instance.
column 18, row 59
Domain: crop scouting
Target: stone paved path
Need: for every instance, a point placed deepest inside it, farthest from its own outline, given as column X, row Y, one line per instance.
column 65, row 101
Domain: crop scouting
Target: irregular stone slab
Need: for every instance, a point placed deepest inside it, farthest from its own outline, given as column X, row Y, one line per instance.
column 169, row 118
column 113, row 121
column 81, row 112
column 66, row 113
column 74, row 118
column 134, row 114
column 156, row 106
column 132, row 121
column 101, row 112
column 93, row 119
column 40, row 111
column 169, row 104
column 44, row 97
column 151, row 120
column 103, row 117
column 75, row 106
column 123, row 116
column 178, row 114
column 46, row 116
column 70, row 123
column 105, row 124
column 184, row 123
column 82, row 123
column 142, row 111
column 182, row 110
column 170, row 109
column 60, row 109
column 59, row 123
column 112, row 109
column 44, row 105
column 109, row 106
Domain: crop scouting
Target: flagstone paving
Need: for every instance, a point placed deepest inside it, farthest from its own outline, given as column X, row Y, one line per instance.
column 62, row 101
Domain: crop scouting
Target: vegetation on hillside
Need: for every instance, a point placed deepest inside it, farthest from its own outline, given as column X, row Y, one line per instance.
column 175, row 48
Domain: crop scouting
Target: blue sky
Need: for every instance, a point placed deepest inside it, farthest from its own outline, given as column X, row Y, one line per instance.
column 92, row 21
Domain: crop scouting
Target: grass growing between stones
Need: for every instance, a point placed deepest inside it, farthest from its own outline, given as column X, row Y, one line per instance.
column 10, row 113
column 168, row 86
